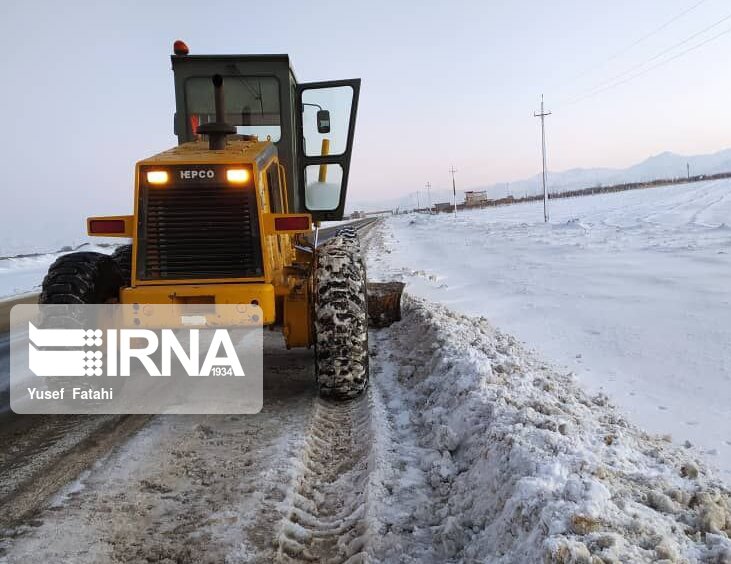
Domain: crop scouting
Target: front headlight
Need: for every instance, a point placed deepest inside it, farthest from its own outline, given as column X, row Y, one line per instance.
column 237, row 175
column 158, row 177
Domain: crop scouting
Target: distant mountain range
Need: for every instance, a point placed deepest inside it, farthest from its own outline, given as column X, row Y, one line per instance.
column 664, row 165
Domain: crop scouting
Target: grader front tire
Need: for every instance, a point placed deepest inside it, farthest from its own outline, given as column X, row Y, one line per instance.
column 341, row 319
column 122, row 255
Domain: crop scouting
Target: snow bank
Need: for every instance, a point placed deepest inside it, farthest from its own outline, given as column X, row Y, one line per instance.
column 522, row 465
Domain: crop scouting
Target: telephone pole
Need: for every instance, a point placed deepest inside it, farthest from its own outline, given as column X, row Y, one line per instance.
column 418, row 204
column 428, row 195
column 452, row 170
column 543, row 115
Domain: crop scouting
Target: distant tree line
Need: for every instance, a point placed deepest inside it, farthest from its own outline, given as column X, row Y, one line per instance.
column 591, row 191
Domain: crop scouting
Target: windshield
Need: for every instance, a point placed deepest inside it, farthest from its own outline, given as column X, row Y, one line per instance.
column 252, row 104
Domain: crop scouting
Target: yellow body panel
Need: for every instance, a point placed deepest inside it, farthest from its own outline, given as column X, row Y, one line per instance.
column 259, row 155
column 297, row 328
column 284, row 284
column 237, row 151
column 189, row 294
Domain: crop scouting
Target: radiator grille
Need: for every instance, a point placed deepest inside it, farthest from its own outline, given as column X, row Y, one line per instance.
column 199, row 231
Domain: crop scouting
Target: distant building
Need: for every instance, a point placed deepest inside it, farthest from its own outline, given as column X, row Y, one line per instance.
column 475, row 198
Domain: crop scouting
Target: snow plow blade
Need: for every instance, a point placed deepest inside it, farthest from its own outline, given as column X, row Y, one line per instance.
column 384, row 303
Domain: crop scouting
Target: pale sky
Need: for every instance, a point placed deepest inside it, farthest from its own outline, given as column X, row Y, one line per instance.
column 88, row 89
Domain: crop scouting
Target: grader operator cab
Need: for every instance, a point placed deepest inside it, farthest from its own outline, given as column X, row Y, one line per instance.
column 226, row 217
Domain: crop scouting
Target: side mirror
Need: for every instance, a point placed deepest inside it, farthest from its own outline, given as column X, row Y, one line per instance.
column 323, row 121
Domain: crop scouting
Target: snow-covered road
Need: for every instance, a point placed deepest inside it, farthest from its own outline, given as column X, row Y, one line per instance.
column 631, row 291
column 466, row 447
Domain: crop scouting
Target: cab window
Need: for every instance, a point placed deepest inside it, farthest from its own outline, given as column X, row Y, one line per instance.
column 252, row 104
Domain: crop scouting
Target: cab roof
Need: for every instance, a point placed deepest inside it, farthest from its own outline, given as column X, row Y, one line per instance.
column 280, row 59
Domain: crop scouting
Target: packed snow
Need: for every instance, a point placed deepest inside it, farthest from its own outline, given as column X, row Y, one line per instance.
column 629, row 290
column 493, row 456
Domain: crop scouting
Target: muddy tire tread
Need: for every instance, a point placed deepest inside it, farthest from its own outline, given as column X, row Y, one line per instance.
column 341, row 318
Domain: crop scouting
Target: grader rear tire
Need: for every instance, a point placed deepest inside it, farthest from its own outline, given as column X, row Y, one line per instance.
column 341, row 319
column 81, row 278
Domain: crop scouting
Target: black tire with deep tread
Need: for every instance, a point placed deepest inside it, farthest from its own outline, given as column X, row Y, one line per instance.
column 341, row 318
column 123, row 257
column 81, row 278
column 350, row 235
column 78, row 278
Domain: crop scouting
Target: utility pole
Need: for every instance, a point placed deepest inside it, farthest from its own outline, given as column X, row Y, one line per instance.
column 452, row 170
column 543, row 115
column 687, row 165
column 428, row 195
column 418, row 204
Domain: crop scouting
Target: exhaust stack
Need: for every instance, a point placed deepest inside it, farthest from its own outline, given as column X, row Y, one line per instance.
column 219, row 129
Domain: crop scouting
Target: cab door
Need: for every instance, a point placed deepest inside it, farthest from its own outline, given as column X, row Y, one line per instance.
column 326, row 113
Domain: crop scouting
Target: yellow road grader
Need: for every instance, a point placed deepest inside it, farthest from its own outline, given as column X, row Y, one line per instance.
column 226, row 217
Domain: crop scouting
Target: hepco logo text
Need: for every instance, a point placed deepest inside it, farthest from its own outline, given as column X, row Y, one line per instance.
column 197, row 174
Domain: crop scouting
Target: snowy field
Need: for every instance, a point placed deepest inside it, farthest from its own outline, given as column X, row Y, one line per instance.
column 21, row 275
column 630, row 291
column 24, row 274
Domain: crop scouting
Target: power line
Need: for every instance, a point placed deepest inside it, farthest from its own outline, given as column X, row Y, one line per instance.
column 623, row 50
column 656, row 30
column 641, row 73
column 602, row 85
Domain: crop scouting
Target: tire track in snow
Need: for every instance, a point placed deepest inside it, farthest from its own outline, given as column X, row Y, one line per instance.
column 684, row 205
column 324, row 511
column 697, row 217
